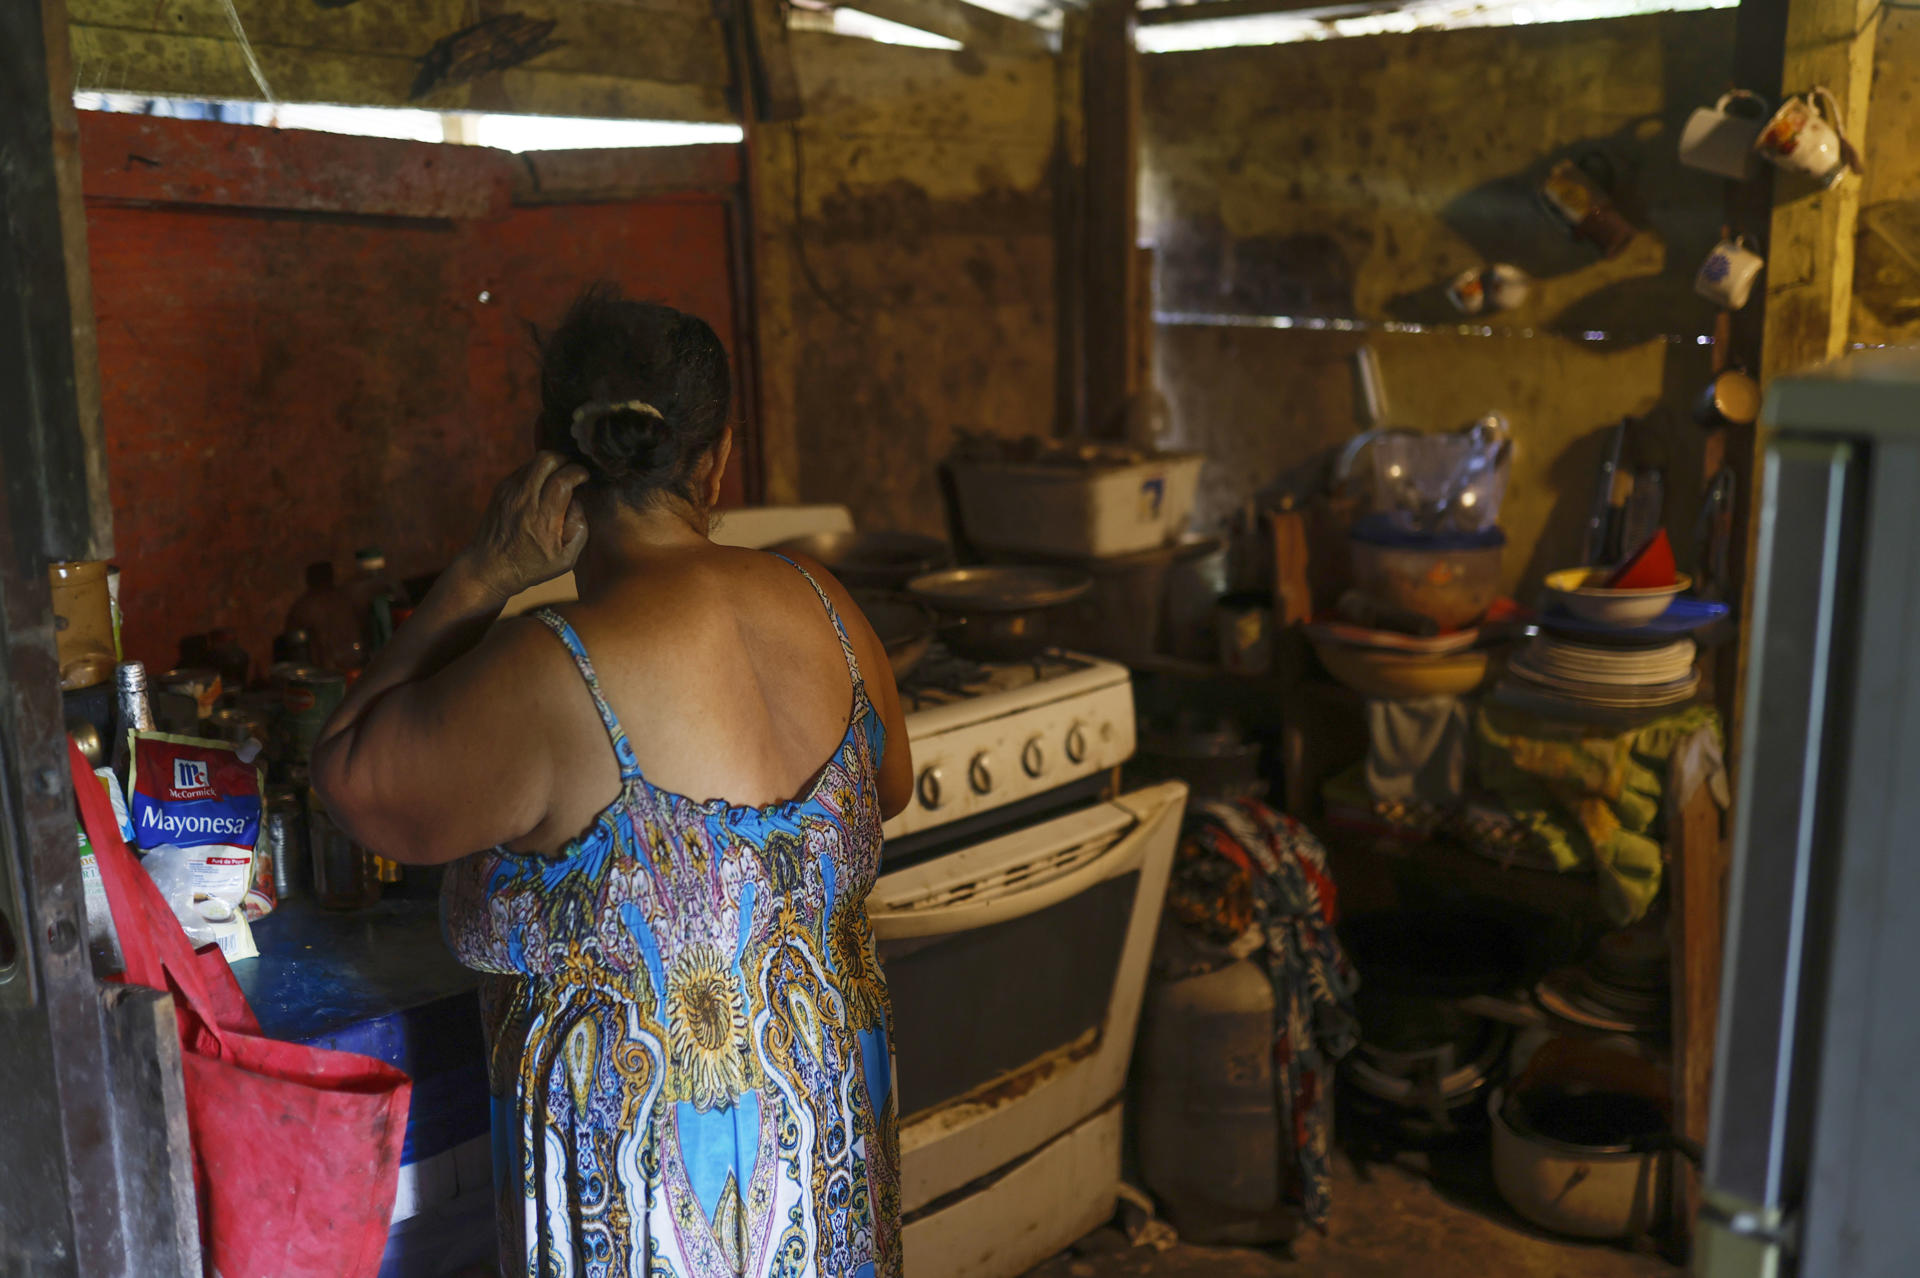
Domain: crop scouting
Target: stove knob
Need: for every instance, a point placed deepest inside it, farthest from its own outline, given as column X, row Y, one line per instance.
column 1034, row 757
column 932, row 789
column 1077, row 743
column 980, row 773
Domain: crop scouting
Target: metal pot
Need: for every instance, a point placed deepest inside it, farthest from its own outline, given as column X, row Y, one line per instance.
column 1585, row 1191
column 872, row 560
column 999, row 612
column 904, row 627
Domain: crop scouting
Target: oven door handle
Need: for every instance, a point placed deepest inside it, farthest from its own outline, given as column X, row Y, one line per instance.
column 895, row 924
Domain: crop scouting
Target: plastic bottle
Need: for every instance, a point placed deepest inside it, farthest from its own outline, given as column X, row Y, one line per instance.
column 377, row 595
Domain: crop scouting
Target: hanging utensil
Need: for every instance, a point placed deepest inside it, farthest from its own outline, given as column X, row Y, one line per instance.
column 1646, row 509
column 1712, row 536
column 1595, row 549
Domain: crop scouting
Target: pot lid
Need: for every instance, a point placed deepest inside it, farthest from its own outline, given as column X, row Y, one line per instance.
column 999, row 587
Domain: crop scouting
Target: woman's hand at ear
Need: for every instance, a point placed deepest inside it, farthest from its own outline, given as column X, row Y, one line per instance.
column 533, row 529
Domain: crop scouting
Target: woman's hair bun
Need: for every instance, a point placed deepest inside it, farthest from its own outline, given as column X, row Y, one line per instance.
column 622, row 441
column 637, row 392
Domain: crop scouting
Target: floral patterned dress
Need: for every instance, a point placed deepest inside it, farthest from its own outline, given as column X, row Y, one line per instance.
column 687, row 1029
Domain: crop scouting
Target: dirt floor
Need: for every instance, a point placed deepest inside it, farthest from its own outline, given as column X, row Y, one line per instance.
column 1388, row 1222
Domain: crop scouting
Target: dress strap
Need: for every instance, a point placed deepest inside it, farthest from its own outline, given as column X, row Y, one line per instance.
column 622, row 748
column 833, row 615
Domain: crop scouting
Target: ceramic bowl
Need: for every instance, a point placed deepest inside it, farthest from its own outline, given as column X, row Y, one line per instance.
column 1374, row 672
column 1623, row 608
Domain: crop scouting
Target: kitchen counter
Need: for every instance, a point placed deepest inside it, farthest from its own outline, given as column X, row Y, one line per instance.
column 325, row 978
column 382, row 983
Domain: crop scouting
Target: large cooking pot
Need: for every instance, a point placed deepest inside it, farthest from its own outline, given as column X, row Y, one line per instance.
column 905, row 628
column 1606, row 1190
column 1582, row 1140
column 872, row 560
column 999, row 612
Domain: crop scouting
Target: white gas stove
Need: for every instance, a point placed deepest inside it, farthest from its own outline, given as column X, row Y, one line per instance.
column 986, row 736
column 1015, row 914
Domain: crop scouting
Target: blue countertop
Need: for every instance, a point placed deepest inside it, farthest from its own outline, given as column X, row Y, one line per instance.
column 320, row 972
column 382, row 983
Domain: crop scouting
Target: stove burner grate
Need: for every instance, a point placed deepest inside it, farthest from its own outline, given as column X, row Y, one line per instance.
column 943, row 677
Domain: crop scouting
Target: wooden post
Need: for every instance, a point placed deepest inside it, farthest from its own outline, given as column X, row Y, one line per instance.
column 1785, row 47
column 91, row 1181
column 1111, row 93
column 1069, row 180
column 1809, row 294
column 1800, row 317
column 1696, row 926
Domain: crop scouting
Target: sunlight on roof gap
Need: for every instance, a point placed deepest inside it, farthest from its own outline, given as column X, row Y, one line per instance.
column 1420, row 15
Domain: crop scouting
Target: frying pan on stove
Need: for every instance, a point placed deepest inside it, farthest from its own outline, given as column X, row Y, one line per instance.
column 998, row 612
column 905, row 628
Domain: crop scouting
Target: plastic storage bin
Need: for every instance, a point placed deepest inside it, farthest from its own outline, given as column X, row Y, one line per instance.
column 1068, row 510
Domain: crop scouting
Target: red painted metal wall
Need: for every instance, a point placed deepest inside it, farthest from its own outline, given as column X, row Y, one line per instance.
column 310, row 343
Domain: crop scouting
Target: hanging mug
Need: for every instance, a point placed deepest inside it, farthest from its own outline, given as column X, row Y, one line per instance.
column 1507, row 286
column 1720, row 139
column 1467, row 292
column 1573, row 193
column 1726, row 277
column 1806, row 136
column 1732, row 398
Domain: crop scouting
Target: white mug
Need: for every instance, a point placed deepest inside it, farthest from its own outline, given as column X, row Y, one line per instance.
column 1726, row 277
column 1507, row 286
column 1720, row 140
column 1805, row 136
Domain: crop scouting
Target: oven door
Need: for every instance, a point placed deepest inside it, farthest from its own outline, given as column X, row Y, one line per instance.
column 1016, row 968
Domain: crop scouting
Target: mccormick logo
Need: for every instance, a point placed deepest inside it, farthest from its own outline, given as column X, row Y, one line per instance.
column 190, row 774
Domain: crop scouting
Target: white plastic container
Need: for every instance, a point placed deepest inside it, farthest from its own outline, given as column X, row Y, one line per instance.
column 1052, row 509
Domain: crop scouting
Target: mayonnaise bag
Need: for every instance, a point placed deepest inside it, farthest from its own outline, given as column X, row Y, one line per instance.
column 196, row 811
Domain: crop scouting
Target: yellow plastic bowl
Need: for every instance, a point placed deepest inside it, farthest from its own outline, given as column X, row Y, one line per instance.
column 1622, row 608
column 1372, row 672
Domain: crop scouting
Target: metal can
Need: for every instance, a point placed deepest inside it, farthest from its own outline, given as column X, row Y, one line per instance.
column 239, row 724
column 283, row 837
column 203, row 685
column 343, row 875
column 260, row 899
column 309, row 695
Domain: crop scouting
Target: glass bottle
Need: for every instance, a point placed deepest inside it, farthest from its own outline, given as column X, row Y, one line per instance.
column 332, row 622
column 131, row 712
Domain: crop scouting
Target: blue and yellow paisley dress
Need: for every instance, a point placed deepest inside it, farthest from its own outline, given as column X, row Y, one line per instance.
column 687, row 1029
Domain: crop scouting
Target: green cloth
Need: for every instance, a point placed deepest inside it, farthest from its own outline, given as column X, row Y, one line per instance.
column 1591, row 797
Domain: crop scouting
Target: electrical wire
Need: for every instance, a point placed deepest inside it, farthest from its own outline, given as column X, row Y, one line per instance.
column 799, row 232
column 246, row 51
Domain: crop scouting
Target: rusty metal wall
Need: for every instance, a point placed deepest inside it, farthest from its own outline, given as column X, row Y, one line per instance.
column 1306, row 197
column 315, row 343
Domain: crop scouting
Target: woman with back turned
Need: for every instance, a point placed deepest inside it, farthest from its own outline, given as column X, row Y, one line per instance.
column 688, row 1027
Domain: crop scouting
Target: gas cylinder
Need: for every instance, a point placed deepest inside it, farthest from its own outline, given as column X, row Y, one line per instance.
column 1209, row 1129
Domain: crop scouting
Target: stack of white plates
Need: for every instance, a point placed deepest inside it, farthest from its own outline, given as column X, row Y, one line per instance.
column 1612, row 677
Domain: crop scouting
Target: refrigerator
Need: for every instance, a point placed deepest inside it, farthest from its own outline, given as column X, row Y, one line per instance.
column 1813, row 1156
